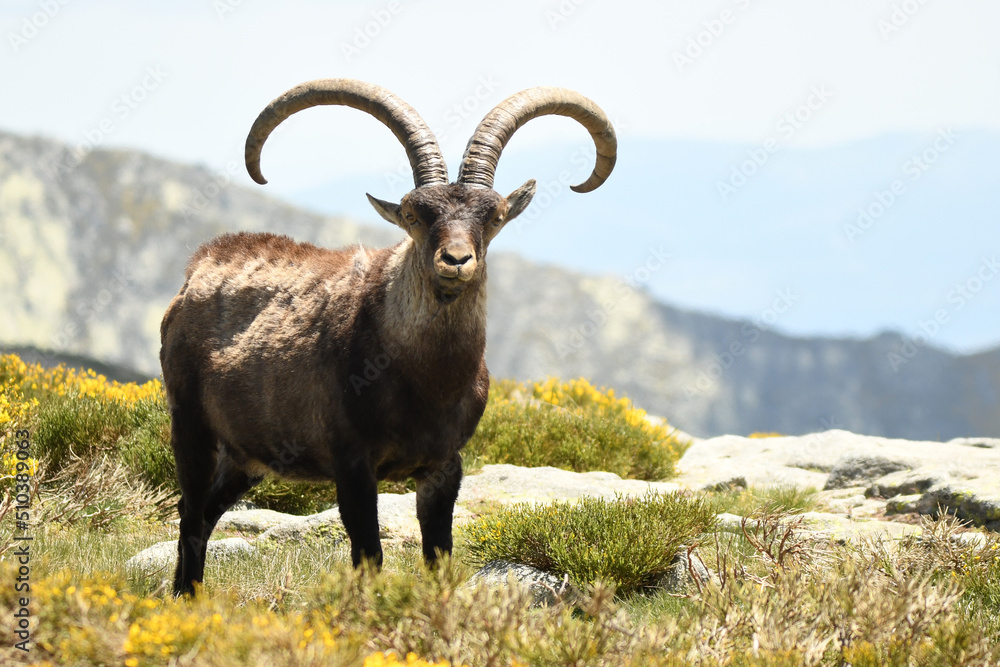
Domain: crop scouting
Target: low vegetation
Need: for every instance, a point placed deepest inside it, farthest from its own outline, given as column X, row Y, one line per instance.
column 627, row 542
column 778, row 596
column 76, row 416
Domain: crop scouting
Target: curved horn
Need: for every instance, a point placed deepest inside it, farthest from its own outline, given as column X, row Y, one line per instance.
column 479, row 164
column 421, row 146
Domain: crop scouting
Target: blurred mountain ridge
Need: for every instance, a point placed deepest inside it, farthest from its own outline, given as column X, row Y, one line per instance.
column 94, row 246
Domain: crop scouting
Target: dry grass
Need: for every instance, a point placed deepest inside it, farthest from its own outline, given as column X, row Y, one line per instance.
column 778, row 597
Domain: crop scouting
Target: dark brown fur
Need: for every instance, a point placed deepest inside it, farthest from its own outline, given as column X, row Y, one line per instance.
column 347, row 365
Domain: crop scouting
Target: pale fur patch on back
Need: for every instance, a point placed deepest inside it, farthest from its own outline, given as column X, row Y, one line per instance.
column 361, row 262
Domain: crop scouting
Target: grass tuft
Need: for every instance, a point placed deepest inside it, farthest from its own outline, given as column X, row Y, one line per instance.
column 756, row 499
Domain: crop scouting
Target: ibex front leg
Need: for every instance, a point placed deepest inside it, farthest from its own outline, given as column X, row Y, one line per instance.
column 436, row 495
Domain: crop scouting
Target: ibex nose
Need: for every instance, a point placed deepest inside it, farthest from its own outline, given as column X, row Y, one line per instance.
column 455, row 260
column 461, row 258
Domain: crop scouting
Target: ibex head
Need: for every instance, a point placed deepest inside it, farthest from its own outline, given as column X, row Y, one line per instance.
column 450, row 225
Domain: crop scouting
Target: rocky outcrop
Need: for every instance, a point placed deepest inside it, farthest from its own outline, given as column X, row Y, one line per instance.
column 505, row 483
column 546, row 588
column 687, row 571
column 961, row 476
column 160, row 559
column 397, row 513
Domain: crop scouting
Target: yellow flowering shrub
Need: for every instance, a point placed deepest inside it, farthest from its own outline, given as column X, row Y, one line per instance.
column 93, row 619
column 572, row 425
column 34, row 380
column 581, row 396
column 391, row 660
column 168, row 634
column 24, row 387
column 15, row 413
column 14, row 408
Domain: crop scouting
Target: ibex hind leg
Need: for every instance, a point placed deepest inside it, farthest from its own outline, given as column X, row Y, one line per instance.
column 357, row 495
column 231, row 482
column 195, row 455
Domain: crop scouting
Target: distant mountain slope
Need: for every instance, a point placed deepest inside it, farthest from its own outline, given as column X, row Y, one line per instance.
column 681, row 364
column 92, row 254
column 792, row 223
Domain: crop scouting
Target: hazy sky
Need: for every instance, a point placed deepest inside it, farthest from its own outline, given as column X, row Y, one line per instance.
column 220, row 61
column 185, row 79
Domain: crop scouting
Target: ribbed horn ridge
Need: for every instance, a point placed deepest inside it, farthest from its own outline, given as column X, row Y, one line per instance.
column 421, row 146
column 479, row 164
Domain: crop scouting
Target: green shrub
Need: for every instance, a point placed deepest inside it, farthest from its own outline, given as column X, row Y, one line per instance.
column 293, row 497
column 978, row 570
column 572, row 426
column 136, row 433
column 629, row 542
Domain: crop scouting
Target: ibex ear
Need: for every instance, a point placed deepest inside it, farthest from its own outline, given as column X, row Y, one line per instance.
column 387, row 210
column 519, row 199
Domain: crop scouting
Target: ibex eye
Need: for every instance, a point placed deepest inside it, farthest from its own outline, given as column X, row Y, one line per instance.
column 412, row 219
